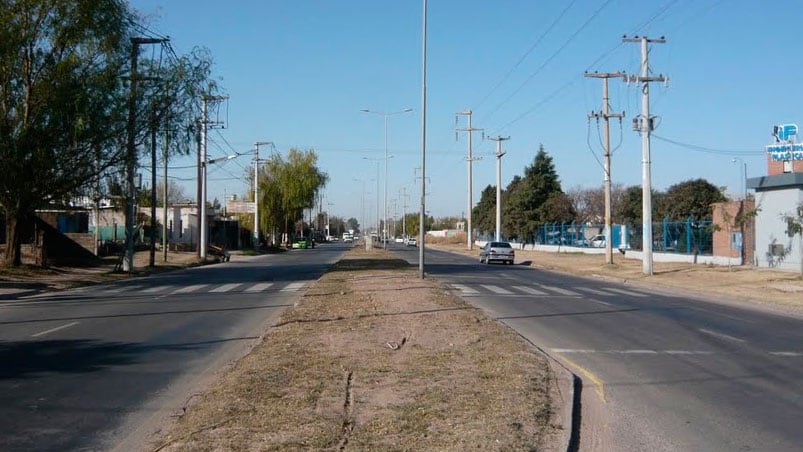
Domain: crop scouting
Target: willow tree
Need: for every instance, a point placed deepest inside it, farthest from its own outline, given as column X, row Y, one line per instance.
column 61, row 105
column 287, row 186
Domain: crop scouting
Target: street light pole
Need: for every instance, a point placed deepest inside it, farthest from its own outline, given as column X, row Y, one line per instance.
column 743, row 174
column 385, row 202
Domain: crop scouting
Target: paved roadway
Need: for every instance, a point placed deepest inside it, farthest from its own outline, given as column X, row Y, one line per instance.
column 101, row 367
column 669, row 371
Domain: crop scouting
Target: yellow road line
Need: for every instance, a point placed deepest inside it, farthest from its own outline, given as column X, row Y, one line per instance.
column 599, row 384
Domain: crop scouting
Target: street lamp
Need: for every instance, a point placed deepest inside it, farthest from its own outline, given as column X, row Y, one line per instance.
column 744, row 175
column 385, row 115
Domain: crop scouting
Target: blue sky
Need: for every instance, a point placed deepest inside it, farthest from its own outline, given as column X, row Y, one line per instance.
column 298, row 73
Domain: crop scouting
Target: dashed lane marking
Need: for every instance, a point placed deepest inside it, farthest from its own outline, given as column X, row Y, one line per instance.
column 53, row 330
column 721, row 335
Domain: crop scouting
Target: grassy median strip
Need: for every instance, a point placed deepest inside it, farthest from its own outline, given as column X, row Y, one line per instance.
column 374, row 358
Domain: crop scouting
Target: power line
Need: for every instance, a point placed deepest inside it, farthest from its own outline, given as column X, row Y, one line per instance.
column 708, row 150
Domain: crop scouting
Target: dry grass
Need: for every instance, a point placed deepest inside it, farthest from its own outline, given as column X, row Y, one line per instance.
column 374, row 358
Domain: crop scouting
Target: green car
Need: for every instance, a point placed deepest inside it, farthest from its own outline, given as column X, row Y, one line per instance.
column 301, row 243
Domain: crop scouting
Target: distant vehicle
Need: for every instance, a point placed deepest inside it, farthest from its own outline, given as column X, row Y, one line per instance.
column 331, row 238
column 399, row 240
column 497, row 251
column 347, row 237
column 301, row 243
column 412, row 242
column 598, row 241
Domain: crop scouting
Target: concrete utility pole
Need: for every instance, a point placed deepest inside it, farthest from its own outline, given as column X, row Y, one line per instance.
column 204, row 233
column 256, row 189
column 644, row 125
column 499, row 155
column 606, row 115
column 131, row 152
column 470, row 159
column 404, row 214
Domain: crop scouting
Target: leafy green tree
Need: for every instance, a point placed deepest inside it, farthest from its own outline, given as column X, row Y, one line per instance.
column 627, row 208
column 287, row 187
column 690, row 198
column 794, row 226
column 484, row 213
column 61, row 109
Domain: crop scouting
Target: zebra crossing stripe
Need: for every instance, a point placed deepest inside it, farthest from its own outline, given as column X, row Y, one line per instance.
column 530, row 290
column 560, row 290
column 626, row 292
column 259, row 287
column 293, row 286
column 155, row 289
column 594, row 291
column 496, row 289
column 465, row 290
column 189, row 289
column 225, row 288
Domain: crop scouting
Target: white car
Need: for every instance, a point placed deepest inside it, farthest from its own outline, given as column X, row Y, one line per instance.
column 598, row 241
column 411, row 241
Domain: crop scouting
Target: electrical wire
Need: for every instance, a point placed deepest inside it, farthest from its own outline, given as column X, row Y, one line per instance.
column 526, row 54
column 704, row 149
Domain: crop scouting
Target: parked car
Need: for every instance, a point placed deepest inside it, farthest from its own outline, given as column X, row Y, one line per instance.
column 598, row 241
column 497, row 251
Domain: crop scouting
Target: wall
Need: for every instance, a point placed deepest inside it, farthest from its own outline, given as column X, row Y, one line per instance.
column 771, row 229
column 722, row 246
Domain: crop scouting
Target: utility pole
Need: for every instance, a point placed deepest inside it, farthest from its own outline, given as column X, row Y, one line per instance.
column 499, row 155
column 131, row 152
column 203, row 234
column 154, row 124
column 165, row 152
column 422, row 215
column 404, row 214
column 606, row 115
column 644, row 124
column 256, row 189
column 470, row 160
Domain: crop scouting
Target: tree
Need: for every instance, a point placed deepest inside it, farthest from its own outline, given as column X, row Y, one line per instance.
column 484, row 213
column 61, row 105
column 527, row 206
column 627, row 206
column 692, row 198
column 287, row 187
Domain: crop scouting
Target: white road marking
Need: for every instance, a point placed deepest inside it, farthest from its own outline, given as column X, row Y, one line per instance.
column 293, row 286
column 720, row 335
column 53, row 330
column 155, row 289
column 632, row 352
column 189, row 289
column 530, row 290
column 791, row 354
column 496, row 289
column 625, row 292
column 259, row 287
column 465, row 290
column 560, row 290
column 594, row 291
column 225, row 287
column 119, row 289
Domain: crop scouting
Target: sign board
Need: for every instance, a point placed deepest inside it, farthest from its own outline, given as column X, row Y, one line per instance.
column 784, row 132
column 781, row 152
column 234, row 207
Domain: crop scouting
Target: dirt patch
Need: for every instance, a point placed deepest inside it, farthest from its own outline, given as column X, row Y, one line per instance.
column 374, row 358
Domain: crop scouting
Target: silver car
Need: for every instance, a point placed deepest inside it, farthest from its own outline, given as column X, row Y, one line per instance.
column 497, row 251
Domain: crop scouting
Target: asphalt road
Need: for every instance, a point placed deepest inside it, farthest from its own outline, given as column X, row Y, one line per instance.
column 668, row 371
column 102, row 367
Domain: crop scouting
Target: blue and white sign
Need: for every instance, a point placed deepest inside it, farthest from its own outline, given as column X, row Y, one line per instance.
column 784, row 132
column 783, row 152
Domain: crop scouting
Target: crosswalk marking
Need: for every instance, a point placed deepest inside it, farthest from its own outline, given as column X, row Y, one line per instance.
column 189, row 289
column 155, row 289
column 560, row 290
column 225, row 287
column 626, row 292
column 259, row 287
column 465, row 290
column 594, row 291
column 496, row 289
column 293, row 286
column 530, row 290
